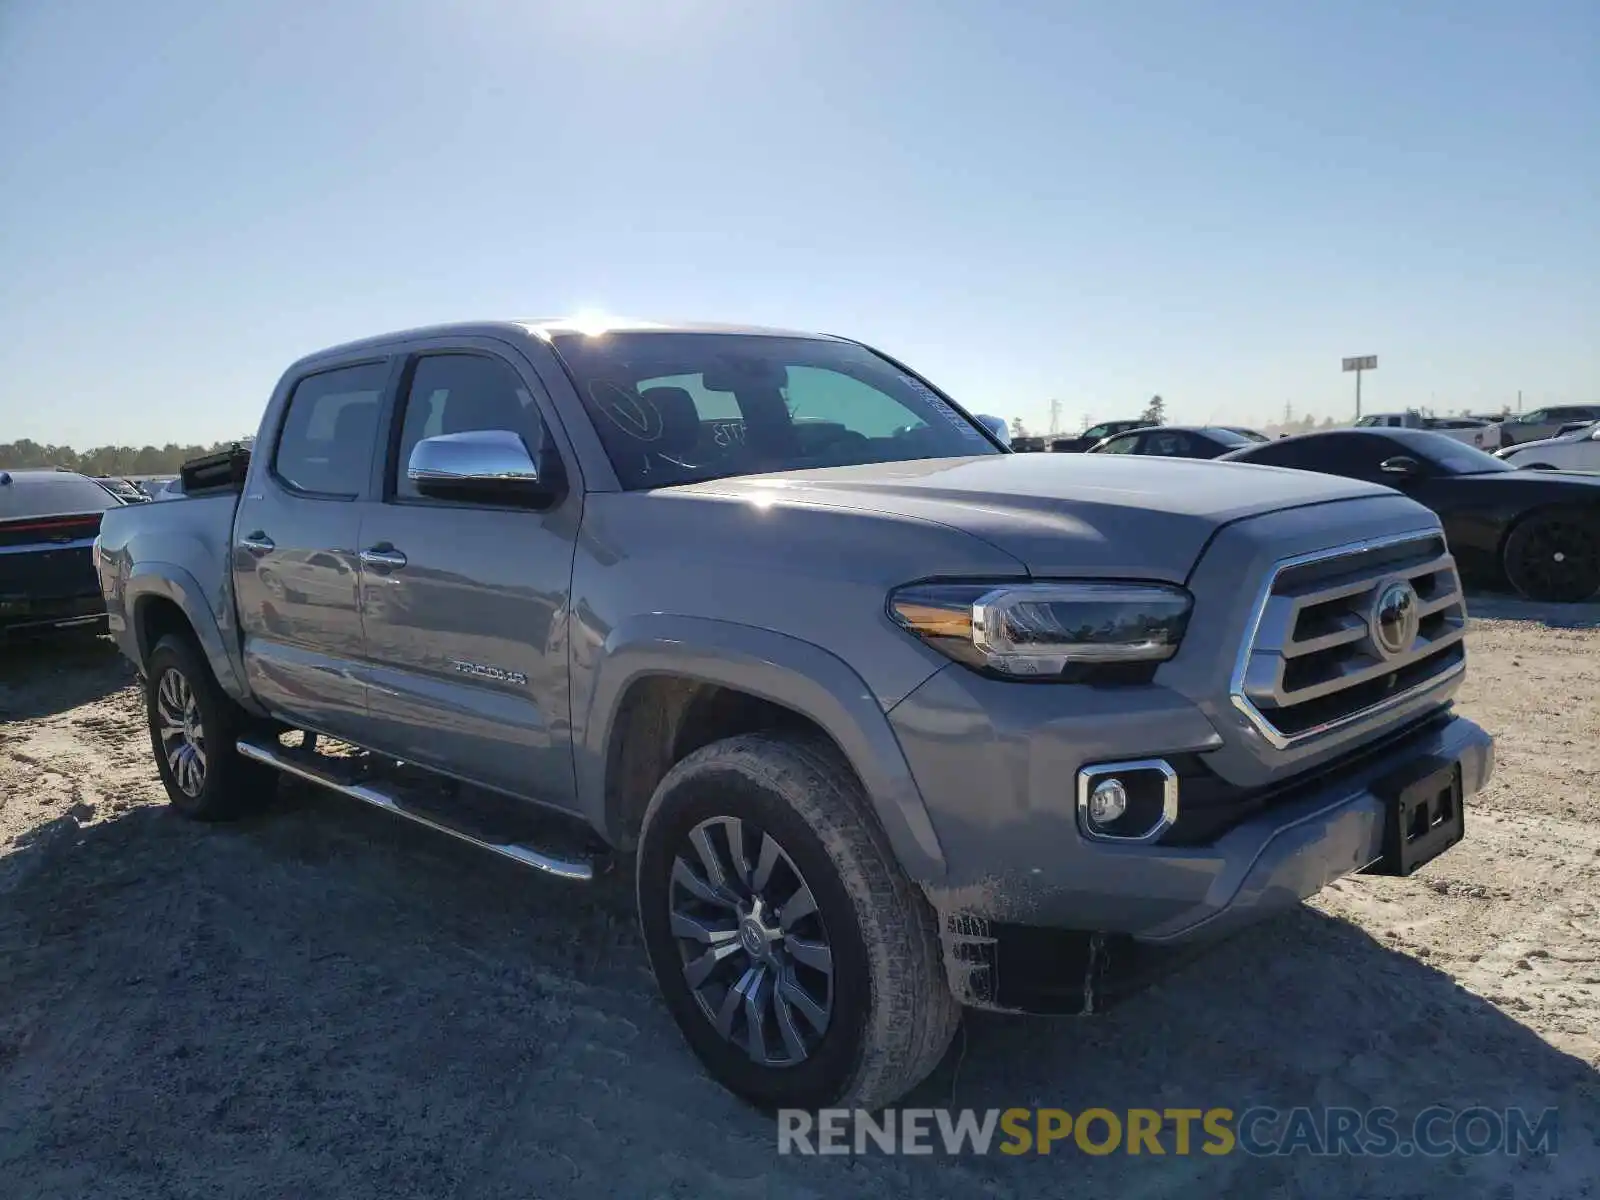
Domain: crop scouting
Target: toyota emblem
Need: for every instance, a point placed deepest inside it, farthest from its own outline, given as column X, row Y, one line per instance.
column 1395, row 619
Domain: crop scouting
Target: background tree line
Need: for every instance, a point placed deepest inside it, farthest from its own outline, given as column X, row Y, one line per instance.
column 105, row 460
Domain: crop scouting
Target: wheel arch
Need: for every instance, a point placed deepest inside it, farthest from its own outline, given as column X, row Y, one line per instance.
column 663, row 686
column 164, row 598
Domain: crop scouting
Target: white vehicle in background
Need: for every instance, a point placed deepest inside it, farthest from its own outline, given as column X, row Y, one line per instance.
column 1544, row 423
column 1576, row 450
column 1469, row 431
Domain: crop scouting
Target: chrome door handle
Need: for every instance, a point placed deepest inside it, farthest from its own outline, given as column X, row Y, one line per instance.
column 391, row 559
column 258, row 543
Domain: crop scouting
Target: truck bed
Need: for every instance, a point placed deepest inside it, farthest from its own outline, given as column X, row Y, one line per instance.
column 193, row 534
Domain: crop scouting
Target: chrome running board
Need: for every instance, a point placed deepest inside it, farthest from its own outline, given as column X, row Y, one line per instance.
column 303, row 765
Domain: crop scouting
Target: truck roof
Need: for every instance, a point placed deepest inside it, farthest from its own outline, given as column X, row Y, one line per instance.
column 549, row 328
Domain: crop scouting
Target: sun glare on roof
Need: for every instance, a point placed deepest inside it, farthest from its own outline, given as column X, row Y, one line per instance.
column 592, row 322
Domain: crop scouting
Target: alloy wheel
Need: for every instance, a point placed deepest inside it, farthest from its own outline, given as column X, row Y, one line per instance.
column 755, row 952
column 1560, row 559
column 183, row 738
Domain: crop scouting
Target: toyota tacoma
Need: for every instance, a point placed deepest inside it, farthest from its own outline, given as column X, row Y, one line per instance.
column 883, row 719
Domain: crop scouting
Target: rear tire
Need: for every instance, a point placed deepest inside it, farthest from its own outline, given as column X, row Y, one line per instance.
column 1539, row 467
column 801, row 965
column 194, row 730
column 1554, row 556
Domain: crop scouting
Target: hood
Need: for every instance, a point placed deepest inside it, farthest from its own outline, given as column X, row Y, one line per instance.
column 1060, row 515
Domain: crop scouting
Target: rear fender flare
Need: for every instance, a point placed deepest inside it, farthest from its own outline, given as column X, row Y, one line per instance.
column 168, row 581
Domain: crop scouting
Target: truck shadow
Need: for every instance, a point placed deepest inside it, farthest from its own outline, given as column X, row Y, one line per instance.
column 43, row 676
column 323, row 1001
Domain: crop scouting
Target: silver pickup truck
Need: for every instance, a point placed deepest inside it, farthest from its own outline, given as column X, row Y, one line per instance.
column 884, row 719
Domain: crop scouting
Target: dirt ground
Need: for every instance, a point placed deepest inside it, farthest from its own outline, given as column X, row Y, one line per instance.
column 326, row 1002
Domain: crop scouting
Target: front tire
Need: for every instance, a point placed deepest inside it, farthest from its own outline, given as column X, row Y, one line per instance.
column 194, row 728
column 801, row 965
column 1554, row 556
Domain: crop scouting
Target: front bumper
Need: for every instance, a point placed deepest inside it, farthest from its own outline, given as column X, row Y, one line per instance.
column 1027, row 890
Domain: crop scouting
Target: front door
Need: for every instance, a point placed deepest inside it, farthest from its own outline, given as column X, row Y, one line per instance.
column 465, row 605
column 296, row 539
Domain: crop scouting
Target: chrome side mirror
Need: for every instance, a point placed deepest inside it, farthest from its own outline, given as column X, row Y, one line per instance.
column 489, row 466
column 998, row 427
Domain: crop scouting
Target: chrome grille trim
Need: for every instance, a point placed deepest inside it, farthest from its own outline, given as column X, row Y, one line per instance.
column 1275, row 641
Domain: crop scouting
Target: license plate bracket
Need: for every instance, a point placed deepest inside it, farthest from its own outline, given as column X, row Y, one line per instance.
column 1423, row 816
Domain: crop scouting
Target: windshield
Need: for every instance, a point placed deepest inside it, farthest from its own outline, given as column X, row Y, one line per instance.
column 1450, row 456
column 683, row 407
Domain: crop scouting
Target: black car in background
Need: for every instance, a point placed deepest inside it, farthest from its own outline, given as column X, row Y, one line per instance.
column 48, row 523
column 1178, row 441
column 1539, row 531
column 123, row 489
column 1095, row 433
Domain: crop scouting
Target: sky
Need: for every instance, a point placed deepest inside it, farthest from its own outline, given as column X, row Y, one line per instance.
column 1091, row 202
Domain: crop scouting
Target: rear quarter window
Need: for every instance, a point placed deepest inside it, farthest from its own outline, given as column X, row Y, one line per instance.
column 51, row 494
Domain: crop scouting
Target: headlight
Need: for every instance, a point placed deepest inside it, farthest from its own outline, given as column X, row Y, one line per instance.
column 1045, row 630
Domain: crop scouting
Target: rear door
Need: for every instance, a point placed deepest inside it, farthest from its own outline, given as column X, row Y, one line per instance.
column 465, row 604
column 296, row 540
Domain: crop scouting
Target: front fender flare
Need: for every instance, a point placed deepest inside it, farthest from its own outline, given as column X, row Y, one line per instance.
column 784, row 670
column 168, row 581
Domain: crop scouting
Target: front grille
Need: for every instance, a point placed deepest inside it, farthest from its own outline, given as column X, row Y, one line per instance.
column 1320, row 656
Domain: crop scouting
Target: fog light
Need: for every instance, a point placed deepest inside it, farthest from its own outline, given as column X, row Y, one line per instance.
column 1107, row 802
column 1134, row 801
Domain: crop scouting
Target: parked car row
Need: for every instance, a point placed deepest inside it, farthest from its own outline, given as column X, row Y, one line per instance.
column 1179, row 441
column 1121, row 437
column 1538, row 531
column 1547, row 423
column 125, row 490
column 1471, row 431
column 1490, row 433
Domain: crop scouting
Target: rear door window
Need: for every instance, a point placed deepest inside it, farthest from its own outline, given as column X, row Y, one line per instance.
column 330, row 432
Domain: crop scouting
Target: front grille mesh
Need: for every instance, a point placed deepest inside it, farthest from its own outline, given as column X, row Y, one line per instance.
column 1315, row 661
